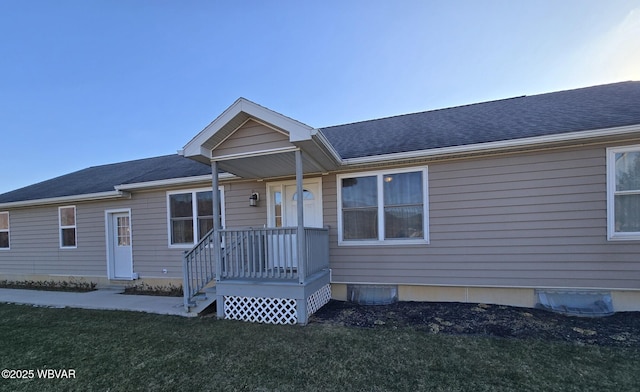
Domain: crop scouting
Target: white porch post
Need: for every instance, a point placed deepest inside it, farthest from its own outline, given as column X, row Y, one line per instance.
column 302, row 251
column 217, row 250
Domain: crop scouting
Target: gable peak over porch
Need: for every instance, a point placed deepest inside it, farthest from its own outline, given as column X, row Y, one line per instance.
column 251, row 141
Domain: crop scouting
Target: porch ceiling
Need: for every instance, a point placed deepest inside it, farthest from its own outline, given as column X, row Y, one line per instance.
column 270, row 166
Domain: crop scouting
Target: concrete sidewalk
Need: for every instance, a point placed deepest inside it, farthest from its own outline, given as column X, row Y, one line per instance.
column 105, row 299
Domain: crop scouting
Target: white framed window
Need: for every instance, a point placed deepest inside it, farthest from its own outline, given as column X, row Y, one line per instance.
column 4, row 230
column 383, row 207
column 623, row 193
column 190, row 215
column 67, row 224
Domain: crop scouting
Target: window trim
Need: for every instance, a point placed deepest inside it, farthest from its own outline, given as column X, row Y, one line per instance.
column 74, row 227
column 379, row 183
column 7, row 230
column 612, row 235
column 194, row 211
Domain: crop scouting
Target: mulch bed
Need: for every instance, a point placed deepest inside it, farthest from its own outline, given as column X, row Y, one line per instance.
column 619, row 330
column 155, row 293
column 72, row 287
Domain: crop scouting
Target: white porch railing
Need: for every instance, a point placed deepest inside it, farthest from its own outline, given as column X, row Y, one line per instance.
column 272, row 253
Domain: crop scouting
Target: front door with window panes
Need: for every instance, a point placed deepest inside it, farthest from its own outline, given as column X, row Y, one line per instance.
column 121, row 246
column 283, row 212
column 283, row 204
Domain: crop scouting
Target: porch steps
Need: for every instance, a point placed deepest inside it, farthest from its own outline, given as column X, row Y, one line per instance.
column 205, row 298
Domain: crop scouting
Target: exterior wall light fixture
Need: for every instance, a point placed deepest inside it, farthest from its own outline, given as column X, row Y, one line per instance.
column 253, row 199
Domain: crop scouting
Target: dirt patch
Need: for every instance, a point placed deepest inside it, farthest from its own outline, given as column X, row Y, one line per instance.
column 618, row 330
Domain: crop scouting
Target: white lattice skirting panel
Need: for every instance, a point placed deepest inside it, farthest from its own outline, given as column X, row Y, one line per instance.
column 272, row 310
column 318, row 299
column 261, row 310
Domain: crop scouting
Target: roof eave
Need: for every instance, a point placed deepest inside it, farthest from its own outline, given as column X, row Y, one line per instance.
column 66, row 199
column 326, row 145
column 497, row 146
column 172, row 182
column 121, row 191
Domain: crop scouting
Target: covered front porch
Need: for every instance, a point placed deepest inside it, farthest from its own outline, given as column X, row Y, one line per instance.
column 259, row 275
column 277, row 269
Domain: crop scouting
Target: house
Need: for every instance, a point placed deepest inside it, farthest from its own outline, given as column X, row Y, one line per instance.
column 528, row 200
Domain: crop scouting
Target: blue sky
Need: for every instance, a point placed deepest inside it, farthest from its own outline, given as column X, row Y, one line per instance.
column 85, row 83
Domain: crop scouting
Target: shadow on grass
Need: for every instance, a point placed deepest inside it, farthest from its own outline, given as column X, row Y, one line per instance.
column 120, row 351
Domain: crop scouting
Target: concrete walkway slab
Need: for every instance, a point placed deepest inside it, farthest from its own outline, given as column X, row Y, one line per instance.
column 104, row 299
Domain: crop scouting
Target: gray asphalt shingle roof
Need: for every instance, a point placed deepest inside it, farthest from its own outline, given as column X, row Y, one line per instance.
column 104, row 178
column 598, row 107
column 605, row 106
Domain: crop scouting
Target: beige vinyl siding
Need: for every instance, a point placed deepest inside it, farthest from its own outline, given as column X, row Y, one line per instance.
column 252, row 137
column 150, row 237
column 31, row 242
column 531, row 220
column 330, row 217
column 36, row 245
column 238, row 212
column 35, row 240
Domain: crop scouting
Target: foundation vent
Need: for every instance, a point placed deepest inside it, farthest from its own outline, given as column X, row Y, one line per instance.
column 585, row 303
column 372, row 294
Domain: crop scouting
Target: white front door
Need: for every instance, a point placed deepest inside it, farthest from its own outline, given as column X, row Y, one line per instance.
column 283, row 203
column 283, row 212
column 312, row 205
column 120, row 243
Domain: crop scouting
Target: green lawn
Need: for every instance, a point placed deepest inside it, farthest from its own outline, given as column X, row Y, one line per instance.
column 124, row 351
